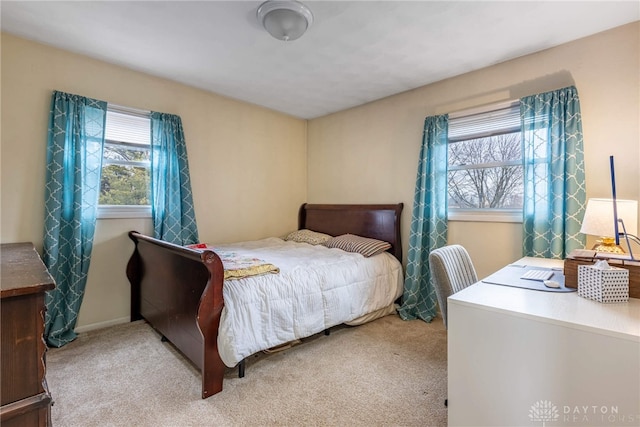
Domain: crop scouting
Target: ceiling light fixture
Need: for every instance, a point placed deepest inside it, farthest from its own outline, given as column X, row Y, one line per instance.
column 285, row 20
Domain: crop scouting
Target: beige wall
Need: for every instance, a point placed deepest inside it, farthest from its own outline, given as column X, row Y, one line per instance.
column 236, row 152
column 369, row 153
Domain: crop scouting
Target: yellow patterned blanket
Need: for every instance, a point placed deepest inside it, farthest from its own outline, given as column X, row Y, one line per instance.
column 237, row 266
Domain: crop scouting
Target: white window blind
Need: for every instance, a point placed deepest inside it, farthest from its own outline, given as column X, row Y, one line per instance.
column 130, row 127
column 485, row 124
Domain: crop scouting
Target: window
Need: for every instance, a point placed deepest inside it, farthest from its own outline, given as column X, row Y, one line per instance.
column 485, row 172
column 125, row 181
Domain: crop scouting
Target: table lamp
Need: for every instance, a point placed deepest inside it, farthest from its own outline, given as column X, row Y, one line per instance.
column 599, row 221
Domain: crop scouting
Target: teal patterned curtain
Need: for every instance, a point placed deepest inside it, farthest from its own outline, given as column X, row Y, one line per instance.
column 74, row 162
column 554, row 192
column 171, row 198
column 428, row 221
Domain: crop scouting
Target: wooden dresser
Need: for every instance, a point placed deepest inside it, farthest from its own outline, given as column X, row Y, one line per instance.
column 25, row 398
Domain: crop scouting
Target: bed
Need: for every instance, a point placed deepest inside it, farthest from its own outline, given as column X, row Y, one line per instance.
column 181, row 291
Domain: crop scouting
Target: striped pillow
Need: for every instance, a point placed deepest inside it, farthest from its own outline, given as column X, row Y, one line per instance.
column 362, row 245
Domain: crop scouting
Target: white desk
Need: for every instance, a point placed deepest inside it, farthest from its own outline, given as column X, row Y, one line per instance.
column 513, row 350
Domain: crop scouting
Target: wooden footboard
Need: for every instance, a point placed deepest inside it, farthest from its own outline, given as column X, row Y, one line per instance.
column 179, row 292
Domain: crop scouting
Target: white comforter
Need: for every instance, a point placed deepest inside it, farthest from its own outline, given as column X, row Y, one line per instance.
column 316, row 288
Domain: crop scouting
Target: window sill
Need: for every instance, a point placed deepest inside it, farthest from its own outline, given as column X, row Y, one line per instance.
column 121, row 212
column 513, row 216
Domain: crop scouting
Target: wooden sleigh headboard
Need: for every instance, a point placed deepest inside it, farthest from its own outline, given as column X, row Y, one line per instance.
column 380, row 222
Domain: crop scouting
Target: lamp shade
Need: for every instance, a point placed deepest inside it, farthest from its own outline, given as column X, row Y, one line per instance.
column 598, row 217
column 285, row 20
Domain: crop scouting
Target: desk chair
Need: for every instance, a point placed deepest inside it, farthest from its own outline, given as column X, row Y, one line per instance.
column 451, row 270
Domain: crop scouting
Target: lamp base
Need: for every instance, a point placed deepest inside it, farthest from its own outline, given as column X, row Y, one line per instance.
column 607, row 244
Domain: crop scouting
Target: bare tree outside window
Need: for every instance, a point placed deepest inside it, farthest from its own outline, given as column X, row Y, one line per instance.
column 486, row 173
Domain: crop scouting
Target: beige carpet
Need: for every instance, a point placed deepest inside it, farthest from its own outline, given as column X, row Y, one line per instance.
column 386, row 373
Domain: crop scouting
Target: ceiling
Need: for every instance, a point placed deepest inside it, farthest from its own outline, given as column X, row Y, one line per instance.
column 355, row 51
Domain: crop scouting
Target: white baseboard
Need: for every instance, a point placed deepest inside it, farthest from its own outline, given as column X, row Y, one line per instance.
column 101, row 325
